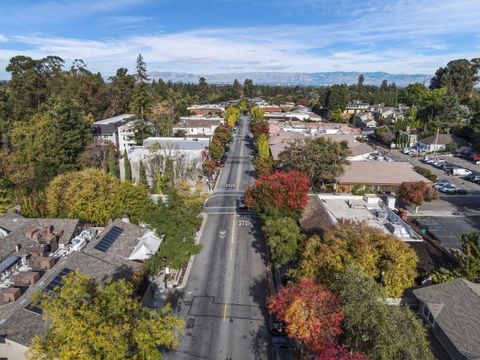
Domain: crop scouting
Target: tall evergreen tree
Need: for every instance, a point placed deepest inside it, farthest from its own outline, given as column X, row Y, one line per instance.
column 237, row 89
column 248, row 88
column 127, row 166
column 141, row 97
column 142, row 174
column 112, row 164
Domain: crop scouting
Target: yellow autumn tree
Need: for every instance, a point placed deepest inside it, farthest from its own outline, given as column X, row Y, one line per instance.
column 91, row 321
column 377, row 254
column 93, row 195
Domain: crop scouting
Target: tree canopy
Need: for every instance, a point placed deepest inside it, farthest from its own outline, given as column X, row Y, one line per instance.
column 311, row 312
column 374, row 328
column 285, row 192
column 378, row 255
column 322, row 159
column 91, row 321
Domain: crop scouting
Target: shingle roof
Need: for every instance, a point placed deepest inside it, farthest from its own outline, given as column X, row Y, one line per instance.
column 444, row 139
column 315, row 218
column 455, row 306
column 379, row 173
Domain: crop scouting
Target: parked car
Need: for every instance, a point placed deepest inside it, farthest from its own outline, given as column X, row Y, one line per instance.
column 472, row 177
column 282, row 348
column 222, row 163
column 461, row 172
column 227, row 150
column 448, row 189
column 241, row 203
column 441, row 183
column 277, row 327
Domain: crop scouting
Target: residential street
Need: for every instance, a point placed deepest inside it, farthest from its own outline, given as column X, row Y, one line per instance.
column 224, row 300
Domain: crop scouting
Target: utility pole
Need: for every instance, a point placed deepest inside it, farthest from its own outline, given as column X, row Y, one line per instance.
column 436, row 141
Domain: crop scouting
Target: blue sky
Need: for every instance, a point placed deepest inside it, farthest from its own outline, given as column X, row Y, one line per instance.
column 215, row 36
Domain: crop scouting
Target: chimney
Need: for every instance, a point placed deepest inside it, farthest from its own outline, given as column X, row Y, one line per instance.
column 18, row 247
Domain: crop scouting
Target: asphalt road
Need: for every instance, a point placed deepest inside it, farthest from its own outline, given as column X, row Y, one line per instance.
column 223, row 302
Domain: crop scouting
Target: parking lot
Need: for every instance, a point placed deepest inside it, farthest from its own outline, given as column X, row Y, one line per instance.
column 458, row 181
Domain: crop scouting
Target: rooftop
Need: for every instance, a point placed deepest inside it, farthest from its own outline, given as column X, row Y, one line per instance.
column 444, row 139
column 19, row 324
column 328, row 209
column 198, row 123
column 115, row 119
column 173, row 143
column 379, row 173
column 455, row 306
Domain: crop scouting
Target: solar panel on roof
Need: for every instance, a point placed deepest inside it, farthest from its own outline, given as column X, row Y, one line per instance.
column 109, row 238
column 56, row 282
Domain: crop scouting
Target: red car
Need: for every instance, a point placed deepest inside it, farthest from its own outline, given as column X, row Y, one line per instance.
column 222, row 163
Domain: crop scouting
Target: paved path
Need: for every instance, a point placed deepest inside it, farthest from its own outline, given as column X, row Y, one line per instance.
column 224, row 300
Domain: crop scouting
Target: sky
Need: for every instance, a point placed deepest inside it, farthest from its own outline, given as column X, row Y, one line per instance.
column 222, row 36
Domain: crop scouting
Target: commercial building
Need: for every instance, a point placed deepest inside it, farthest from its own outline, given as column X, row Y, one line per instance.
column 377, row 176
column 440, row 142
column 325, row 210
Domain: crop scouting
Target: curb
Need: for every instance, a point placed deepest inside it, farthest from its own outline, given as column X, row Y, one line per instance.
column 192, row 258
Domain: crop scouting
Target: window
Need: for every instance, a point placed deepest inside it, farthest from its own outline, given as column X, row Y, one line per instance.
column 428, row 315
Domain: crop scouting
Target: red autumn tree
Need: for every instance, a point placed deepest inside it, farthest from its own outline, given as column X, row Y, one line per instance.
column 260, row 127
column 413, row 192
column 209, row 167
column 312, row 313
column 337, row 352
column 285, row 191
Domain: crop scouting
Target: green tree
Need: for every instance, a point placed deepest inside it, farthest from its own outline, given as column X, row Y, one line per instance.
column 283, row 238
column 371, row 326
column 120, row 92
column 122, row 327
column 142, row 174
column 459, row 76
column 336, row 115
column 337, row 97
column 127, row 166
column 203, row 89
column 322, row 159
column 378, row 255
column 141, row 130
column 215, row 149
column 141, row 97
column 414, row 94
column 112, row 161
column 236, row 89
column 5, row 196
column 248, row 89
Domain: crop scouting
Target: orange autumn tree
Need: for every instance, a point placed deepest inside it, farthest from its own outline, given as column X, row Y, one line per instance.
column 413, row 193
column 311, row 312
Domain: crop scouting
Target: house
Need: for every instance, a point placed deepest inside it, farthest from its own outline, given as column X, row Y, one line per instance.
column 108, row 129
column 439, row 142
column 359, row 151
column 207, row 109
column 452, row 312
column 198, row 125
column 185, row 153
column 325, row 210
column 104, row 257
column 355, row 106
column 377, row 176
column 281, row 140
column 365, row 120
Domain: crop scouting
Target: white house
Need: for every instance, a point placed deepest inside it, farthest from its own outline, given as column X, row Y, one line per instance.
column 185, row 153
column 198, row 125
column 439, row 143
column 365, row 120
column 108, row 129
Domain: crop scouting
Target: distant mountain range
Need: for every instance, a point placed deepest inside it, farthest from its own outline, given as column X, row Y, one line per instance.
column 291, row 78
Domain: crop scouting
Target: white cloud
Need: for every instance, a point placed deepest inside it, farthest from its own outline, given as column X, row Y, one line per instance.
column 3, row 38
column 403, row 36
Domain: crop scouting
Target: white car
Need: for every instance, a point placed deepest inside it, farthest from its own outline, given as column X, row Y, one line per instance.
column 448, row 189
column 441, row 183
